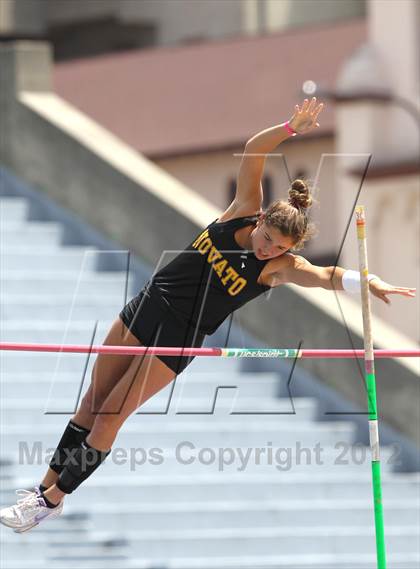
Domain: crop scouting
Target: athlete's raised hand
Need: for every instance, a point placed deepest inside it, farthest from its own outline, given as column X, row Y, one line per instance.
column 305, row 118
column 381, row 289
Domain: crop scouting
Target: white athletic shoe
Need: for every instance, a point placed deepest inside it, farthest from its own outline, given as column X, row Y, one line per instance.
column 29, row 511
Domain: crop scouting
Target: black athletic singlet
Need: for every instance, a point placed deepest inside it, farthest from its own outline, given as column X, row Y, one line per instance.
column 212, row 277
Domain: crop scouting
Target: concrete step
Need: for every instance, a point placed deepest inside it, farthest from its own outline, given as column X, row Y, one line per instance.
column 240, row 561
column 82, row 559
column 78, row 259
column 229, row 486
column 213, row 433
column 255, row 541
column 44, row 299
column 41, row 410
column 225, row 514
column 189, row 462
column 65, row 282
column 73, row 306
column 352, row 561
column 47, row 364
column 294, row 561
column 52, row 387
column 64, row 526
column 52, row 331
column 13, row 210
column 44, row 365
column 30, row 235
column 32, row 545
column 177, row 543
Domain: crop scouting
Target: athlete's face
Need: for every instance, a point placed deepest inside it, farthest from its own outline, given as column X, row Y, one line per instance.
column 268, row 242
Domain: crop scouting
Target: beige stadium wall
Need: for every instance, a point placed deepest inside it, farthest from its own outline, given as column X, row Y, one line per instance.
column 395, row 250
column 393, row 239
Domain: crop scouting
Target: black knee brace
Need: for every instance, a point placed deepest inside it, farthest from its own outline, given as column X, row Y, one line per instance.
column 84, row 461
column 72, row 437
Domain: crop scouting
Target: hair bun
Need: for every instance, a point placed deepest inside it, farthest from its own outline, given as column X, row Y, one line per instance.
column 299, row 195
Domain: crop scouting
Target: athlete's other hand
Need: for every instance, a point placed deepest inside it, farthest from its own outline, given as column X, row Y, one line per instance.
column 381, row 289
column 305, row 118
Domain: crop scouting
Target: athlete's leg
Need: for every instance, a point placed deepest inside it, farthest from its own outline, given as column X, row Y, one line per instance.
column 107, row 371
column 33, row 506
column 144, row 377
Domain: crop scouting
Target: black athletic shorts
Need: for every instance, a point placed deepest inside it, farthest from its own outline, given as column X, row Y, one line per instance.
column 152, row 322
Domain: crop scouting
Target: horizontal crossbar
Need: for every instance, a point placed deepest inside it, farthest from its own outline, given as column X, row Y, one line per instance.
column 207, row 352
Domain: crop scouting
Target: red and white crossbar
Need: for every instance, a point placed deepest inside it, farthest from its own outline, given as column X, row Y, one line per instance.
column 207, row 352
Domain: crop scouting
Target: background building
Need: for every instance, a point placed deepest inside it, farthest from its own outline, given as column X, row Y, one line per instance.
column 79, row 29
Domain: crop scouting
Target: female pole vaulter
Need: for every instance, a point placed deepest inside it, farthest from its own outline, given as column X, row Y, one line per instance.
column 240, row 255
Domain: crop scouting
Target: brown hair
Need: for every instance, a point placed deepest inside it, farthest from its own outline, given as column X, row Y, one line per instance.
column 291, row 217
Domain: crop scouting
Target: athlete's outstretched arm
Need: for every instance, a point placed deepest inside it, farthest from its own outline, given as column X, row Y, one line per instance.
column 300, row 271
column 303, row 121
column 249, row 189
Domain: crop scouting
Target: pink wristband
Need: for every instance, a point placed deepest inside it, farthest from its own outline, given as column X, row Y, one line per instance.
column 289, row 129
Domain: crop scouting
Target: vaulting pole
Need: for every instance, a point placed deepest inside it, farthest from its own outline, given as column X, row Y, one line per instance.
column 371, row 388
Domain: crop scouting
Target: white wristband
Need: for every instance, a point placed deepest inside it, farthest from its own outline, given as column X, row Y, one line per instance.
column 351, row 280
